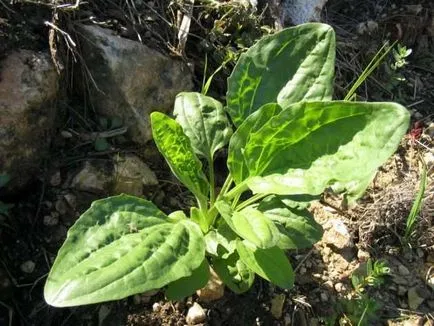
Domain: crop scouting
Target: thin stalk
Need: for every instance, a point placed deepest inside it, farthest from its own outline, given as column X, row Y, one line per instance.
column 250, row 201
column 235, row 201
column 239, row 189
column 373, row 64
column 417, row 204
column 226, row 185
column 205, row 71
column 211, row 182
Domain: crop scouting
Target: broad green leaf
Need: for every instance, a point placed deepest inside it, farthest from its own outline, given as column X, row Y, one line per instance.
column 121, row 246
column 254, row 226
column 237, row 166
column 197, row 216
column 176, row 148
column 204, row 121
column 314, row 145
column 225, row 210
column 292, row 65
column 234, row 273
column 177, row 215
column 186, row 286
column 299, row 202
column 271, row 263
column 4, row 179
column 220, row 242
column 298, row 229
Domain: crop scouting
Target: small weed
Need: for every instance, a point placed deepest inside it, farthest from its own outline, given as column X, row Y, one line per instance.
column 361, row 310
column 417, row 204
column 372, row 275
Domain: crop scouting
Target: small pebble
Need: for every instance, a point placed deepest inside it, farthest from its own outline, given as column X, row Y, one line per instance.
column 401, row 290
column 328, row 284
column 363, row 255
column 414, row 299
column 71, row 200
column 28, row 267
column 340, row 287
column 50, row 220
column 61, row 207
column 156, row 307
column 277, row 305
column 287, row 320
column 403, row 270
column 195, row 314
column 55, row 179
column 66, row 134
column 324, row 297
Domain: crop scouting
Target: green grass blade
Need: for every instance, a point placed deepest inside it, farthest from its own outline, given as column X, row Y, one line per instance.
column 417, row 204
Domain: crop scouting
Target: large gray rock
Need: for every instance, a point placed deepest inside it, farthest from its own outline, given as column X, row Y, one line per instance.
column 28, row 88
column 130, row 80
column 302, row 11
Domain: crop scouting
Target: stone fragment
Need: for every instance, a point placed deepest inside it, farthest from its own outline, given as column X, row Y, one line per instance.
column 71, row 199
column 55, row 179
column 277, row 305
column 340, row 287
column 6, row 286
column 302, row 11
column 337, row 235
column 156, row 307
column 28, row 267
column 93, row 177
column 403, row 270
column 324, row 297
column 213, row 290
column 363, row 255
column 195, row 314
column 61, row 206
column 131, row 80
column 28, row 89
column 131, row 174
column 414, row 298
column 50, row 220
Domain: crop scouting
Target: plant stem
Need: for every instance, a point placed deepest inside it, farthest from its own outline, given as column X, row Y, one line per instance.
column 250, row 201
column 211, row 182
column 375, row 62
column 235, row 201
column 239, row 189
column 226, row 185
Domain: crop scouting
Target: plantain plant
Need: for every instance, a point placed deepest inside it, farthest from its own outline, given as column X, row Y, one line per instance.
column 287, row 142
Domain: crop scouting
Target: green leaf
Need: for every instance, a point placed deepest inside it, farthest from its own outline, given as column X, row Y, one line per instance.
column 4, row 208
column 175, row 146
column 204, row 121
column 292, row 65
column 4, row 179
column 220, row 242
column 237, row 166
column 197, row 216
column 186, row 286
column 254, row 226
column 314, row 145
column 121, row 246
column 271, row 263
column 225, row 210
column 297, row 227
column 234, row 273
column 177, row 216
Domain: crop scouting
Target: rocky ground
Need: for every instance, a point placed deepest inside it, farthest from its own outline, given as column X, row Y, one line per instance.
column 63, row 138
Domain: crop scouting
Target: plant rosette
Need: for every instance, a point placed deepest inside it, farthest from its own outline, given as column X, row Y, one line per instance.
column 287, row 142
